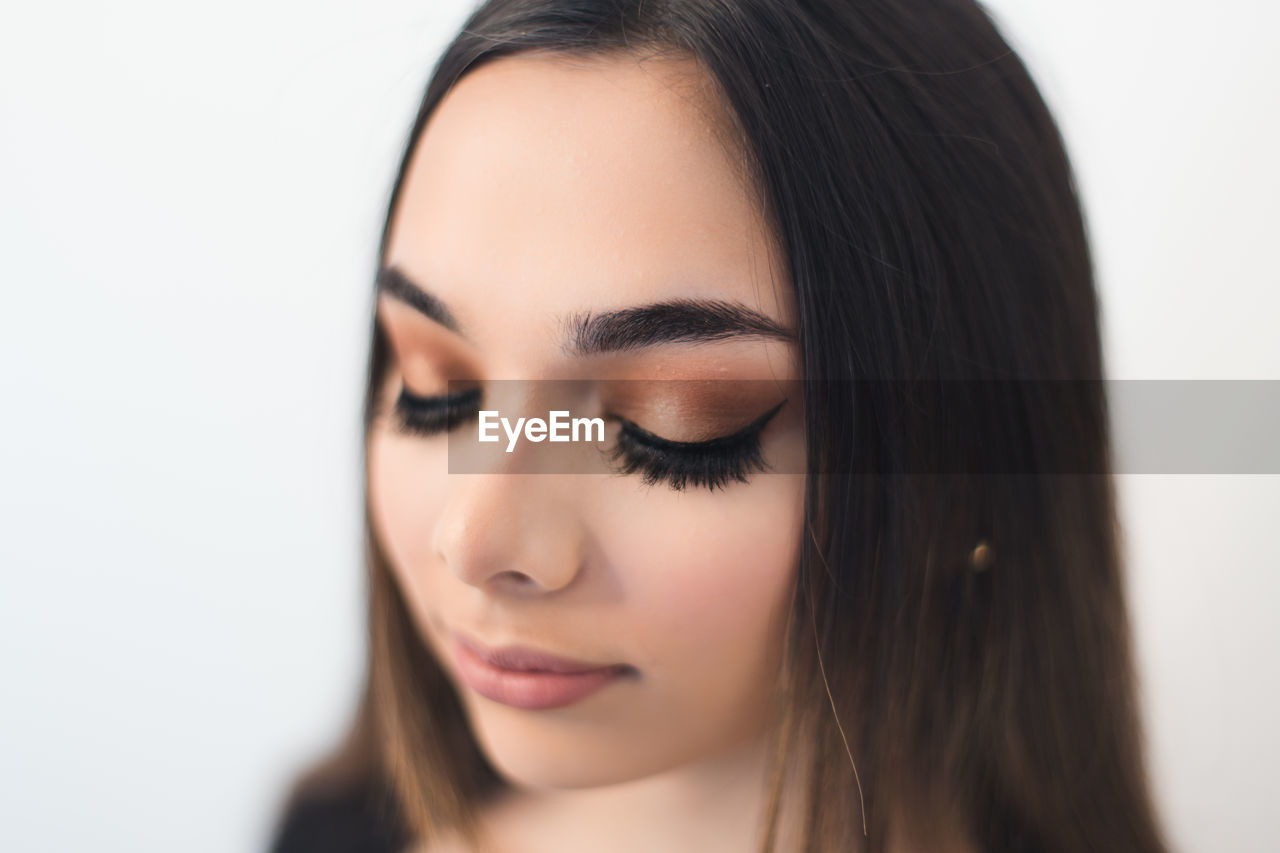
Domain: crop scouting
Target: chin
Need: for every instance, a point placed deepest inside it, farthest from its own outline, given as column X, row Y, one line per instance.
column 565, row 754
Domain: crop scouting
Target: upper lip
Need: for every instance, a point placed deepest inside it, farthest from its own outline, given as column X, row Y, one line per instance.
column 526, row 659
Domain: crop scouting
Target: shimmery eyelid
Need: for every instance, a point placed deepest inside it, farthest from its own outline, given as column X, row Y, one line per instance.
column 639, row 433
column 437, row 399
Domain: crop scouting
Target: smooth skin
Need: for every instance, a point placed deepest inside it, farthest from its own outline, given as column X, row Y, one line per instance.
column 545, row 187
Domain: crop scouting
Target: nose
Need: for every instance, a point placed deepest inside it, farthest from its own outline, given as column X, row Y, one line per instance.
column 515, row 534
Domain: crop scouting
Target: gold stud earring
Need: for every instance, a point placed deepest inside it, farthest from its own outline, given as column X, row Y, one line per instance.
column 981, row 557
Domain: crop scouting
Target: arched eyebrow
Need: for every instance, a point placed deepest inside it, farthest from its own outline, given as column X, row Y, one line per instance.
column 675, row 321
column 394, row 283
column 669, row 322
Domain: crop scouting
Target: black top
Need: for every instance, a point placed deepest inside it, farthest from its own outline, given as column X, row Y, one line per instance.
column 358, row 819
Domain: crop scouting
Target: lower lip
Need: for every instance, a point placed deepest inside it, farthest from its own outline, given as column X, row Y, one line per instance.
column 530, row 691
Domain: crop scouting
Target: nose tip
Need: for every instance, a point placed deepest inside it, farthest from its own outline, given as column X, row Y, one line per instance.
column 508, row 533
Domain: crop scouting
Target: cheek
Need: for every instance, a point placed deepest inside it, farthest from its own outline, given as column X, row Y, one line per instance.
column 709, row 580
column 405, row 498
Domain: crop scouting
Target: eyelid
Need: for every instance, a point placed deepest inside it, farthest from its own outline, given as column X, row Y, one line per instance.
column 639, row 433
column 421, row 342
column 437, row 399
column 427, row 416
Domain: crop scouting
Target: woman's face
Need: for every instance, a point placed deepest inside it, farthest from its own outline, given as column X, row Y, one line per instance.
column 546, row 195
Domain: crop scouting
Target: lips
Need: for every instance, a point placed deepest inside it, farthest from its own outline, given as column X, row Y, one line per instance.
column 529, row 679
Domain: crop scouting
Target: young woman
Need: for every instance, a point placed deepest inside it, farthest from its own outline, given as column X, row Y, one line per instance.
column 851, row 579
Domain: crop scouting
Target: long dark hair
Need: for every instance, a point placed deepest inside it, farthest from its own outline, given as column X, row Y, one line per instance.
column 959, row 656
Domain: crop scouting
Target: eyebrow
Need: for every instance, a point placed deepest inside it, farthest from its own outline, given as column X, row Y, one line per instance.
column 667, row 322
column 397, row 285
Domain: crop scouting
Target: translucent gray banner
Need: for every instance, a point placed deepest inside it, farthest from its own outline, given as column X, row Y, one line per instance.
column 873, row 426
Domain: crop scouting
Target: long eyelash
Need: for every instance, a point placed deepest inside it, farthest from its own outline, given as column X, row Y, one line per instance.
column 712, row 463
column 427, row 416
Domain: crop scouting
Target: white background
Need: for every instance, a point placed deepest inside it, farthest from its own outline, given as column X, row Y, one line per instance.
column 190, row 198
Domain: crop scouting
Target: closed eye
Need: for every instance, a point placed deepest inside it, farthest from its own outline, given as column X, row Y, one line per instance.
column 426, row 416
column 712, row 463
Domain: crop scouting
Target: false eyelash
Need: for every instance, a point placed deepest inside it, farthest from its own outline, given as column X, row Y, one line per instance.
column 427, row 416
column 712, row 463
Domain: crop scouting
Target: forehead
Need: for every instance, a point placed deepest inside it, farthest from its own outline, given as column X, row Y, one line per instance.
column 548, row 184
